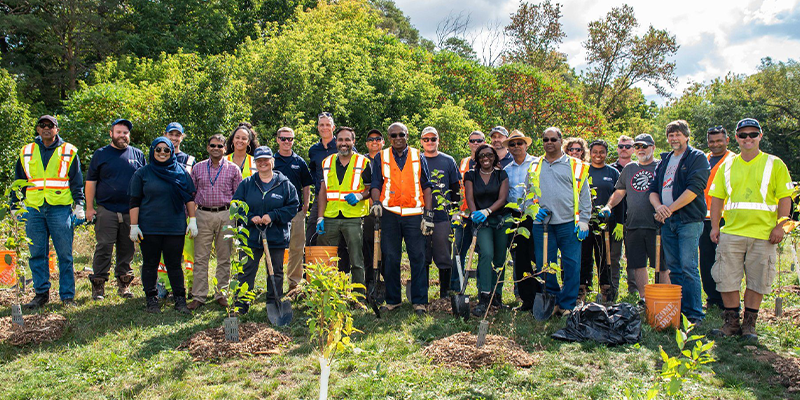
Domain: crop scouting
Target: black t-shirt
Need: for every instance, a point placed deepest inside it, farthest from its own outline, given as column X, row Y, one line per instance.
column 296, row 169
column 444, row 178
column 341, row 170
column 603, row 181
column 485, row 194
column 113, row 169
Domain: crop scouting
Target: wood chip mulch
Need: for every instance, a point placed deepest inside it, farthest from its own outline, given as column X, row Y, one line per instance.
column 9, row 296
column 38, row 328
column 460, row 350
column 254, row 339
column 787, row 368
column 440, row 306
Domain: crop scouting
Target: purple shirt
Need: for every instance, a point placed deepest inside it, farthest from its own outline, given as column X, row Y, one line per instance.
column 215, row 185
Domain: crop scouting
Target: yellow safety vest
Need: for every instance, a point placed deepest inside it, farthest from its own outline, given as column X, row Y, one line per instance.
column 352, row 183
column 50, row 182
column 249, row 165
column 580, row 173
column 765, row 177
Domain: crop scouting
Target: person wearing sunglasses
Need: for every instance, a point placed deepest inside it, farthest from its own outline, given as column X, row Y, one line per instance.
column 717, row 141
column 624, row 152
column 633, row 187
column 160, row 192
column 677, row 195
column 295, row 168
column 559, row 182
column 401, row 196
column 374, row 143
column 239, row 148
column 462, row 227
column 446, row 185
column 216, row 180
column 576, row 147
column 52, row 205
column 755, row 191
column 110, row 172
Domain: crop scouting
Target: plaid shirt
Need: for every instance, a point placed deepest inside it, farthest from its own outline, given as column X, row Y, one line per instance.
column 225, row 183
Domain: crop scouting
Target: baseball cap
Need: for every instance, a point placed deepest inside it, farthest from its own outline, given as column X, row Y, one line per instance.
column 374, row 131
column 262, row 152
column 429, row 129
column 644, row 138
column 500, row 129
column 748, row 122
column 122, row 121
column 48, row 118
column 174, row 126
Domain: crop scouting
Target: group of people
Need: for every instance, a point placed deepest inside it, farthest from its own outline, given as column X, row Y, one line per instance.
column 178, row 211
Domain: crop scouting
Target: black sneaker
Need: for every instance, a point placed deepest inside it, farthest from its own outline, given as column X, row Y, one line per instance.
column 242, row 307
column 152, row 305
column 180, row 305
column 38, row 301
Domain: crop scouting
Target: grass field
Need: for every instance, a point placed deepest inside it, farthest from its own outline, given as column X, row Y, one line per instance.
column 113, row 349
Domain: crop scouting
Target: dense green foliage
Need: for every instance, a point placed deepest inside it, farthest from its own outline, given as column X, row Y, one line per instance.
column 16, row 126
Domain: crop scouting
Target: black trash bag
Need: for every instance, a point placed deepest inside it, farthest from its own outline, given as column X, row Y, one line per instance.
column 617, row 324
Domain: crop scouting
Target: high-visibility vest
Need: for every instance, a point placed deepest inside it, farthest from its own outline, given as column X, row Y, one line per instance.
column 728, row 155
column 51, row 182
column 765, row 177
column 248, row 167
column 402, row 191
column 580, row 173
column 351, row 183
column 463, row 167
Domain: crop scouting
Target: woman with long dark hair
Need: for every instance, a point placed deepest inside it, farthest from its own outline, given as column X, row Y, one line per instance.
column 240, row 146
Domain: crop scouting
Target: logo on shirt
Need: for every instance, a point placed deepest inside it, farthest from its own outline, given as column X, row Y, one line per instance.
column 640, row 181
column 608, row 178
column 295, row 166
column 276, row 196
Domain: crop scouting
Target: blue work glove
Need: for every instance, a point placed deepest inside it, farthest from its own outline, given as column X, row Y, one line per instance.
column 605, row 212
column 541, row 215
column 353, row 198
column 478, row 216
column 582, row 229
column 320, row 226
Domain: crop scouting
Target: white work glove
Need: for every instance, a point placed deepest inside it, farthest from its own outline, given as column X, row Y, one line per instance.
column 582, row 229
column 136, row 234
column 455, row 219
column 376, row 210
column 191, row 229
column 79, row 213
column 605, row 212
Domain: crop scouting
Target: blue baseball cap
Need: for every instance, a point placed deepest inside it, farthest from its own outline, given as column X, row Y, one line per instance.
column 748, row 122
column 174, row 126
column 122, row 121
column 262, row 152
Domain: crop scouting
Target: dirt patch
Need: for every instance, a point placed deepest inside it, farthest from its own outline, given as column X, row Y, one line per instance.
column 440, row 306
column 460, row 350
column 9, row 296
column 38, row 328
column 791, row 315
column 787, row 368
column 255, row 339
column 789, row 289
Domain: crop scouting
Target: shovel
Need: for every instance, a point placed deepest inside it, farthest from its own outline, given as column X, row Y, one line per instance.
column 459, row 302
column 544, row 303
column 607, row 237
column 278, row 312
column 374, row 297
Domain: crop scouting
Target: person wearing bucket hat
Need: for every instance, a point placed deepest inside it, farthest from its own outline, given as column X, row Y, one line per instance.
column 273, row 202
column 52, row 202
column 110, row 172
column 753, row 191
column 499, row 134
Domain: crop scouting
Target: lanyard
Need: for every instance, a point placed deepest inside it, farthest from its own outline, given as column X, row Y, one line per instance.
column 216, row 178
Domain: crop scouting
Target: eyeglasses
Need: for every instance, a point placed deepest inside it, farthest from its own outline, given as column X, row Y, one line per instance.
column 486, row 155
column 162, row 150
column 574, row 149
column 624, row 146
column 325, row 114
column 715, row 129
column 515, row 143
column 46, row 125
column 473, row 141
column 374, row 139
column 552, row 139
column 639, row 146
column 430, row 139
column 744, row 135
column 211, row 146
column 397, row 135
column 286, row 138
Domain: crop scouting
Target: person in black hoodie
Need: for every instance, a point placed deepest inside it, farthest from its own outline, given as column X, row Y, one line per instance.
column 272, row 202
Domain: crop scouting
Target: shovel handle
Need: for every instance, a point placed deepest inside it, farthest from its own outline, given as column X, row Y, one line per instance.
column 267, row 256
column 608, row 248
column 471, row 251
column 658, row 254
column 544, row 248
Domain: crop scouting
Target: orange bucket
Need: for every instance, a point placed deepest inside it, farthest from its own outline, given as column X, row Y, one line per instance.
column 321, row 254
column 8, row 276
column 286, row 256
column 663, row 305
column 52, row 261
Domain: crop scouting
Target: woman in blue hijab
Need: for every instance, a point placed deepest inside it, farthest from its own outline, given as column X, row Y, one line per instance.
column 159, row 192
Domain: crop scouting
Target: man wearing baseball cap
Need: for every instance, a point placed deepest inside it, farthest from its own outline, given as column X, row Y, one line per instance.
column 499, row 135
column 52, row 204
column 107, row 181
column 755, row 189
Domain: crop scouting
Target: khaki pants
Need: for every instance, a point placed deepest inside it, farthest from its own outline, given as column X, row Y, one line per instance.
column 297, row 243
column 211, row 230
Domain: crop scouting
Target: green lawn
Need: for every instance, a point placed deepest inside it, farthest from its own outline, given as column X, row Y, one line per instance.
column 113, row 349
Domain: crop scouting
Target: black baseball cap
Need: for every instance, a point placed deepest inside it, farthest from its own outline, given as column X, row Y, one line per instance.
column 48, row 118
column 748, row 122
column 122, row 121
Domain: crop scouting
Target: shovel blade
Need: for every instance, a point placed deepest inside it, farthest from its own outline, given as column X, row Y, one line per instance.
column 279, row 314
column 543, row 305
column 372, row 301
column 459, row 304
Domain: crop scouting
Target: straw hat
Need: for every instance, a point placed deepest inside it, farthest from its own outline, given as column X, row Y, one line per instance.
column 517, row 135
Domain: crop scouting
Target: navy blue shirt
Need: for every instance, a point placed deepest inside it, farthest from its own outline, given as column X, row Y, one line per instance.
column 603, row 181
column 316, row 154
column 621, row 210
column 445, row 180
column 691, row 174
column 151, row 194
column 296, row 169
column 186, row 160
column 74, row 174
column 506, row 160
column 377, row 171
column 112, row 170
column 278, row 199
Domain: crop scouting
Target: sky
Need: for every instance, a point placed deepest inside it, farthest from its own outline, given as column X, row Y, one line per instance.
column 715, row 36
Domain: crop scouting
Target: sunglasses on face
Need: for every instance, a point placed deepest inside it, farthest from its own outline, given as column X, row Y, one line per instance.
column 574, row 149
column 641, row 146
column 486, row 155
column 545, row 140
column 210, row 146
column 474, row 141
column 397, row 135
column 744, row 135
column 374, row 139
column 515, row 143
column 162, row 150
column 430, row 139
column 624, row 146
column 286, row 138
column 46, row 125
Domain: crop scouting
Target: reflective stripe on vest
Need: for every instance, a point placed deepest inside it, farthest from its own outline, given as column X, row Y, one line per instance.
column 765, row 177
column 580, row 171
column 351, row 183
column 463, row 167
column 396, row 189
column 728, row 155
column 49, row 182
column 249, row 165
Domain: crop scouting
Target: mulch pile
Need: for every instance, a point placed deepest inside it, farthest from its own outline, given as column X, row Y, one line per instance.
column 460, row 350
column 444, row 306
column 254, row 339
column 787, row 368
column 792, row 315
column 9, row 296
column 38, row 328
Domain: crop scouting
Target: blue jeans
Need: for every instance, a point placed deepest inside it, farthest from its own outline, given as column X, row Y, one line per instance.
column 680, row 241
column 560, row 237
column 462, row 237
column 394, row 230
column 51, row 221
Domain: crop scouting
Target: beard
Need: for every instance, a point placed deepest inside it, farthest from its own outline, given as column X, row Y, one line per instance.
column 120, row 143
column 345, row 152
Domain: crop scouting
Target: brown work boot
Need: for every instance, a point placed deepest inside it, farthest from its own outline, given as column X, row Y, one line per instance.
column 123, row 286
column 98, row 288
column 194, row 305
column 222, row 302
column 731, row 327
column 749, row 326
column 581, row 294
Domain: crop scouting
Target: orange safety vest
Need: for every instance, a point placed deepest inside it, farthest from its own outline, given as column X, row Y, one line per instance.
column 728, row 155
column 402, row 191
column 463, row 167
